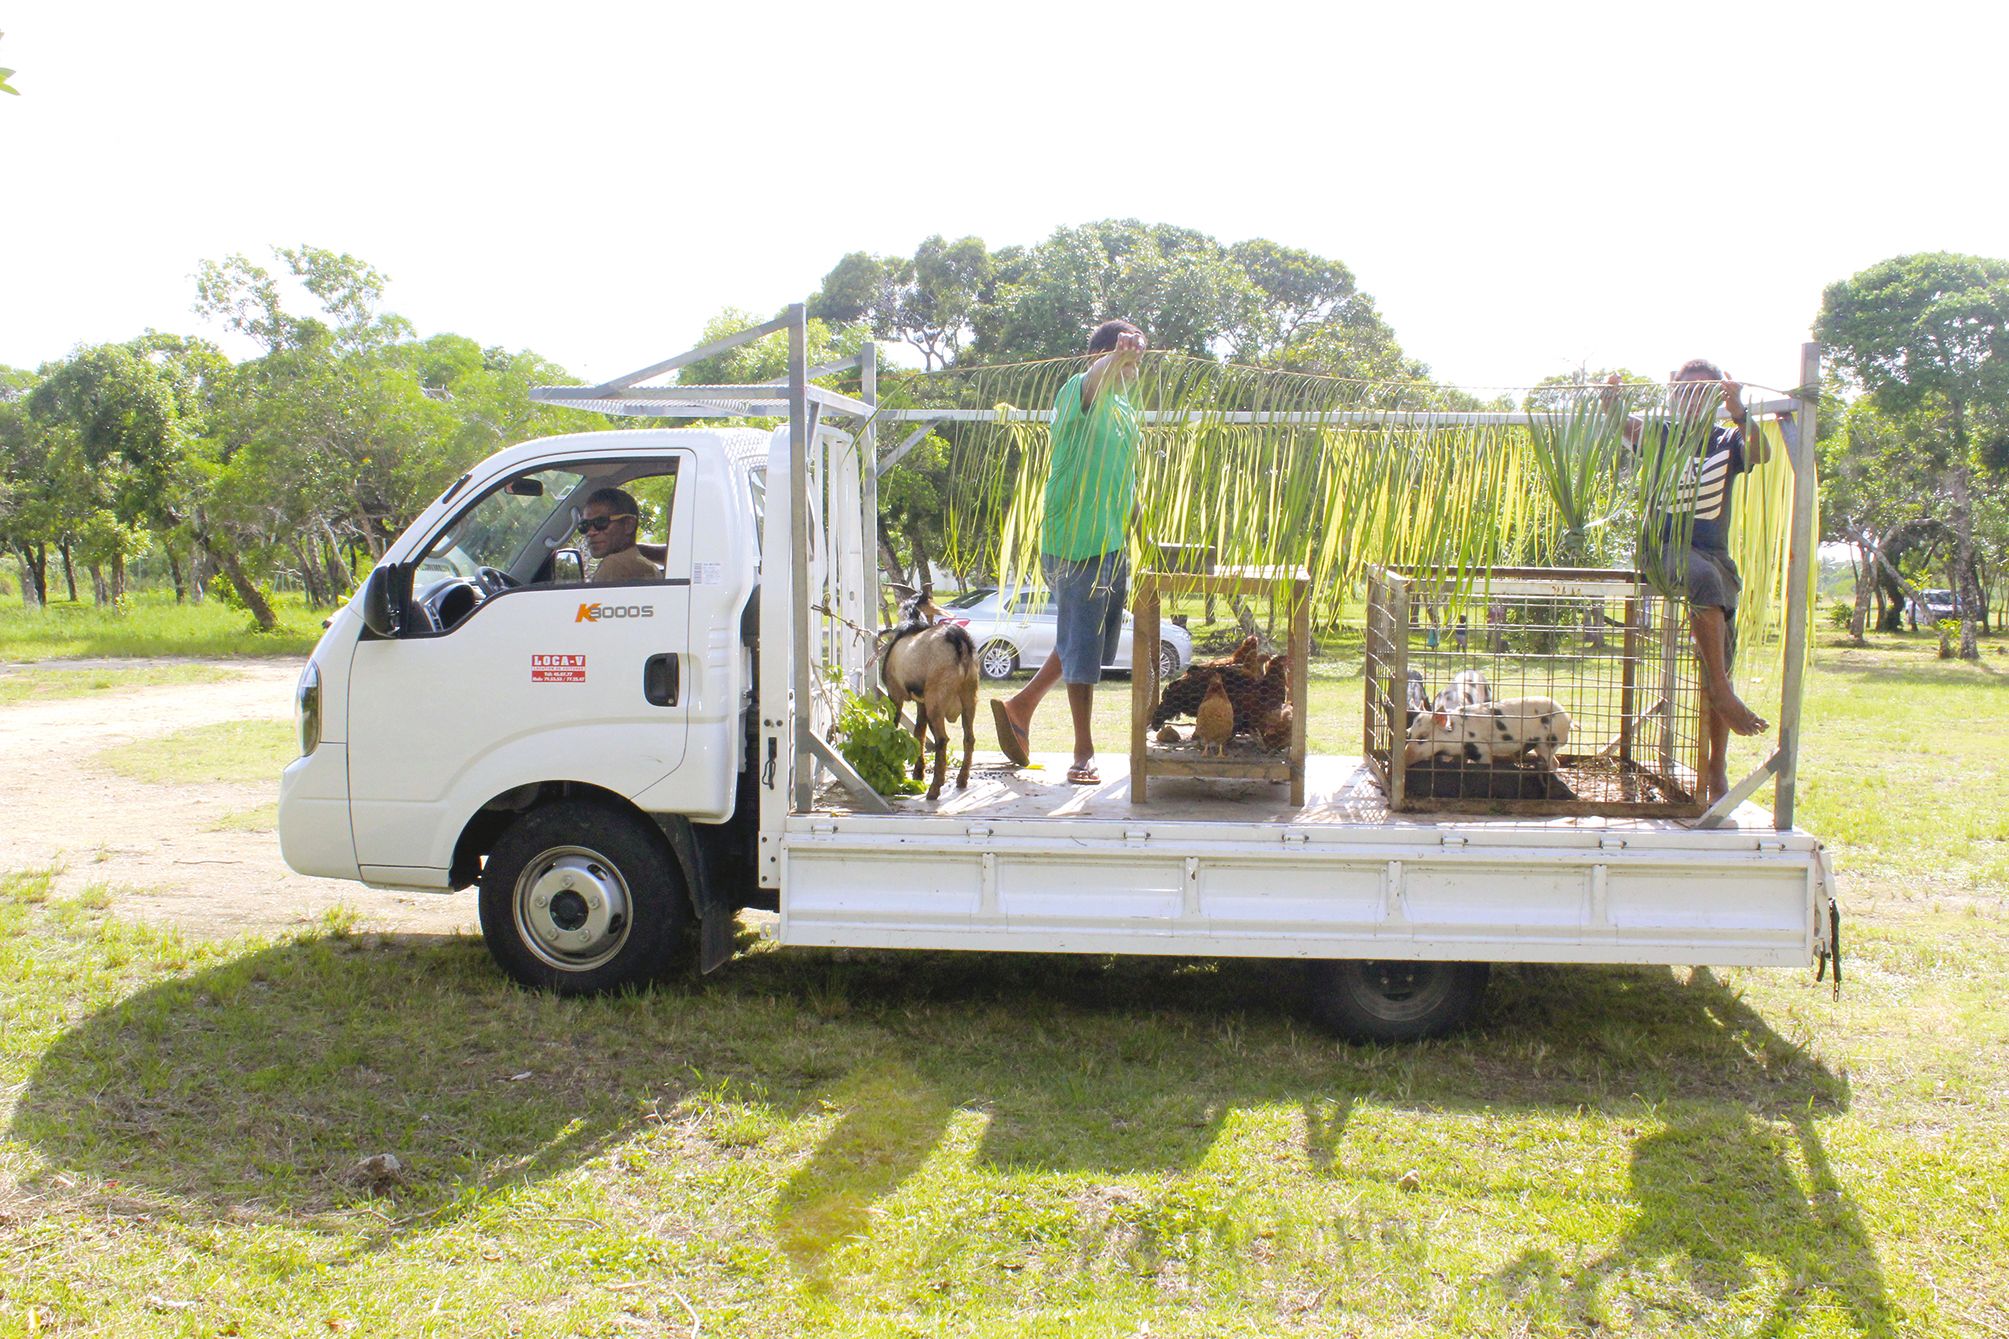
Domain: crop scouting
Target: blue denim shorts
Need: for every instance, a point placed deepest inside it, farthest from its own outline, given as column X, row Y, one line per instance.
column 1088, row 599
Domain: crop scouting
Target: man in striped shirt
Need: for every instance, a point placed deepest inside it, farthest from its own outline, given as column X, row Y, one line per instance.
column 1704, row 568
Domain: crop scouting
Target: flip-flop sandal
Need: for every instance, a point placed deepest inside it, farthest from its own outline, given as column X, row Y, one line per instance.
column 1011, row 739
column 1084, row 776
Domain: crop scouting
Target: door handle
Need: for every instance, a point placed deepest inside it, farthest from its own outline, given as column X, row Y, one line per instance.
column 660, row 679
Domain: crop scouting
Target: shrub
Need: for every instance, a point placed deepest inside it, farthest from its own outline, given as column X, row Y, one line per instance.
column 877, row 746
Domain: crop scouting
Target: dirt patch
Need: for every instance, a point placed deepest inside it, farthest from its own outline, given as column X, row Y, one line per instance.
column 159, row 849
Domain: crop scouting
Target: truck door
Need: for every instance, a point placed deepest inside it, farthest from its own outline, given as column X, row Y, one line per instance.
column 506, row 674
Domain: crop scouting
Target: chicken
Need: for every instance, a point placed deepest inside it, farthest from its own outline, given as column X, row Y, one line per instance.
column 1214, row 722
column 1168, row 736
column 1271, row 705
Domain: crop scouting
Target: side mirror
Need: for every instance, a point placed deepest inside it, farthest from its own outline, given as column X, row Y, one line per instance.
column 524, row 488
column 385, row 596
column 568, row 567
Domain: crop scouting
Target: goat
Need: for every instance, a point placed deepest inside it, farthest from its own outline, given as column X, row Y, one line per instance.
column 934, row 665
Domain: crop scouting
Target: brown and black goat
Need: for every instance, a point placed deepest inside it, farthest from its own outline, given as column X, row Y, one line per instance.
column 934, row 665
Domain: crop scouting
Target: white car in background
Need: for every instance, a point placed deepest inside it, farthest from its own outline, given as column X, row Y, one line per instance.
column 1015, row 629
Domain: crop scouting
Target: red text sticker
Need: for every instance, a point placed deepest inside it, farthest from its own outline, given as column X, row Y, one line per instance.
column 557, row 669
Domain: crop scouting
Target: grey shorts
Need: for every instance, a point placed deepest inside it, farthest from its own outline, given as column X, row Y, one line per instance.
column 1712, row 582
column 1088, row 599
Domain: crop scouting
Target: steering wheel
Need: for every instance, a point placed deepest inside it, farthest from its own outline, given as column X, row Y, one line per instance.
column 496, row 579
column 446, row 602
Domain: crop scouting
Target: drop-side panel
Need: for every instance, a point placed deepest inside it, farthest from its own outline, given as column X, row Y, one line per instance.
column 1231, row 897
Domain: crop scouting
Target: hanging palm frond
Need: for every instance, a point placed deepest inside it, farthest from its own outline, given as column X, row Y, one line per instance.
column 1279, row 471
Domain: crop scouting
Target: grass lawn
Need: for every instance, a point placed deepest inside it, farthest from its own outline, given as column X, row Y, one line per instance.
column 243, row 752
column 152, row 624
column 44, row 685
column 934, row 1143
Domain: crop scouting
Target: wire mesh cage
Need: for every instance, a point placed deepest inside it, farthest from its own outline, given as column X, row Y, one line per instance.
column 1540, row 691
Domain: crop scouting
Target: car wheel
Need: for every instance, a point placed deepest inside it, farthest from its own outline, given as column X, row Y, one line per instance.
column 1396, row 1001
column 580, row 898
column 1168, row 662
column 998, row 659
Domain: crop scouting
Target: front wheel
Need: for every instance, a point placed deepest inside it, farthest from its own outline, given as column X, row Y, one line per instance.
column 581, row 898
column 998, row 659
column 1168, row 662
column 1396, row 1001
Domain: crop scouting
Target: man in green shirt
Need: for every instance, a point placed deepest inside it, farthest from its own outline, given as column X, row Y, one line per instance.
column 1089, row 497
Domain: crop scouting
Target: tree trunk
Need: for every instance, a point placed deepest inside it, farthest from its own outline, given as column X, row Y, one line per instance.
column 174, row 571
column 889, row 563
column 339, row 576
column 198, row 573
column 310, row 578
column 233, row 572
column 118, row 578
column 921, row 579
column 69, row 569
column 34, row 577
column 1865, row 584
column 101, row 591
column 1965, row 588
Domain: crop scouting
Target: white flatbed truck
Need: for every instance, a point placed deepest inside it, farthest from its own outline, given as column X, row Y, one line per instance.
column 615, row 765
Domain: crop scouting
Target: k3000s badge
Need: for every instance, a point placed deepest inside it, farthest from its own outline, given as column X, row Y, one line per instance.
column 595, row 613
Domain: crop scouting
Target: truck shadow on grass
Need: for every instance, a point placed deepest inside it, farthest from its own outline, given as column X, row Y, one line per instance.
column 250, row 1088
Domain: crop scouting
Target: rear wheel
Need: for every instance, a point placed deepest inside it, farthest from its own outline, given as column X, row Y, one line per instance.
column 998, row 659
column 581, row 898
column 1396, row 1001
column 1168, row 662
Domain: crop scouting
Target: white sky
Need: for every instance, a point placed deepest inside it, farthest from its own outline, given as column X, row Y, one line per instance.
column 1521, row 187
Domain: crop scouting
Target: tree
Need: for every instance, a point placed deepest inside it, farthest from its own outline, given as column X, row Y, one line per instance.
column 928, row 302
column 1929, row 334
column 1179, row 284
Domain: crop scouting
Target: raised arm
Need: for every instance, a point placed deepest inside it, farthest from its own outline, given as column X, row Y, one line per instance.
column 1129, row 348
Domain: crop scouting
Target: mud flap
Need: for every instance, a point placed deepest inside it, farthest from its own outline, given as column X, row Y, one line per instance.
column 718, row 920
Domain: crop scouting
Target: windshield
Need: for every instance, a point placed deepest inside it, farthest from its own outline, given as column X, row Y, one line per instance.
column 971, row 600
column 494, row 531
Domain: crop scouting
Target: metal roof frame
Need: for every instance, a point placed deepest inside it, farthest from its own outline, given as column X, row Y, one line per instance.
column 805, row 404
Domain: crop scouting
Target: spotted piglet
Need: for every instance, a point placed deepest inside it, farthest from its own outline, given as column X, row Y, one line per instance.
column 1496, row 732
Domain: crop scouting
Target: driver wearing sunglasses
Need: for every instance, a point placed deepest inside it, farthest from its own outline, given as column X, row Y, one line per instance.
column 607, row 522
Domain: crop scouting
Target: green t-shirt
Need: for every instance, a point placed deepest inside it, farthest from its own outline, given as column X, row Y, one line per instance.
column 1094, row 479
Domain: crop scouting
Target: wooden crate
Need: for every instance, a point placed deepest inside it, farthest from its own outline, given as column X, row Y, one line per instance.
column 1147, row 759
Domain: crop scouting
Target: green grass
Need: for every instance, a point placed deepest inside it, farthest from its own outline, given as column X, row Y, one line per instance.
column 960, row 1144
column 44, row 684
column 262, row 818
column 152, row 624
column 233, row 752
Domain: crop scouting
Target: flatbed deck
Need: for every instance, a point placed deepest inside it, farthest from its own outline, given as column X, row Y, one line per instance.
column 1338, row 791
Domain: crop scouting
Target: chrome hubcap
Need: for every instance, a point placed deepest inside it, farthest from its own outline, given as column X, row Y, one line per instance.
column 573, row 909
column 997, row 661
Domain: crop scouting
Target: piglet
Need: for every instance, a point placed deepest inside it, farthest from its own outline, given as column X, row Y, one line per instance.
column 1468, row 689
column 1495, row 732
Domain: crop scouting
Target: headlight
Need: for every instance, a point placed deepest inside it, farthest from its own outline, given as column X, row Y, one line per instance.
column 307, row 708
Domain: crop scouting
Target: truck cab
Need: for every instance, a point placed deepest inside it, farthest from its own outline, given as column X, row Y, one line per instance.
column 480, row 673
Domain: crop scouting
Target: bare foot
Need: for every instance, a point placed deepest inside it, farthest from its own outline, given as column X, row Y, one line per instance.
column 1740, row 718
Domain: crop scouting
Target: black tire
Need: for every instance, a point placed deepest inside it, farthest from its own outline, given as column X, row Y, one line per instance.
column 997, row 659
column 1168, row 662
column 614, row 911
column 1396, row 1001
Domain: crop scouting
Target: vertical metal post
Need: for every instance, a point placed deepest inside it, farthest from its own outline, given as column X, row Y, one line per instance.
column 1799, row 574
column 1398, row 674
column 868, row 462
column 1143, row 682
column 1628, row 677
column 802, row 650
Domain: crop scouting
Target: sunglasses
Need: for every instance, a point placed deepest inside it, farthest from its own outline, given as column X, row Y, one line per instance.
column 595, row 524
